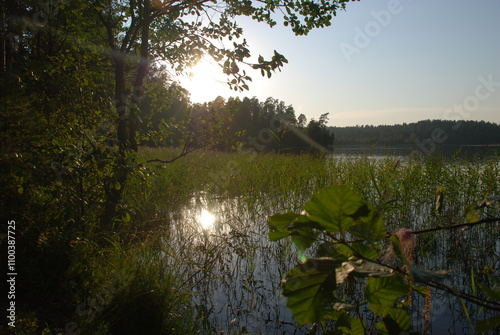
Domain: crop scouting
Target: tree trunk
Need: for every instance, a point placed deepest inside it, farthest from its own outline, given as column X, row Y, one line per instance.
column 127, row 121
column 142, row 69
column 115, row 183
column 3, row 39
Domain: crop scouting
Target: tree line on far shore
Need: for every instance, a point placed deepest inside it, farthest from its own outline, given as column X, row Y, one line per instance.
column 272, row 125
column 443, row 131
column 268, row 126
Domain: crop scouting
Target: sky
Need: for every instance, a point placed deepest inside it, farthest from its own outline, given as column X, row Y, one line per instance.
column 380, row 62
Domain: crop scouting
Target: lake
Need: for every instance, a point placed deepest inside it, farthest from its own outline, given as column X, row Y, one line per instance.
column 235, row 271
column 425, row 148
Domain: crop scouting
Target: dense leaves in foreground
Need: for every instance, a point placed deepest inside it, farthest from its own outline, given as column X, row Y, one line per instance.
column 349, row 238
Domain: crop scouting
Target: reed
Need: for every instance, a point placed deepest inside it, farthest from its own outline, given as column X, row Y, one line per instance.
column 159, row 271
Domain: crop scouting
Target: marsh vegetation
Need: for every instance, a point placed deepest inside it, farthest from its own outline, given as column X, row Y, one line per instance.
column 192, row 254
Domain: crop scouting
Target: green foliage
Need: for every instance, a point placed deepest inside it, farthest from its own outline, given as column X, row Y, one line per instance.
column 146, row 298
column 385, row 290
column 309, row 288
column 333, row 216
column 79, row 93
column 336, row 209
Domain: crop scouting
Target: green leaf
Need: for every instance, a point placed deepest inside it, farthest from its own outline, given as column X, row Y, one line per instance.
column 347, row 324
column 279, row 223
column 422, row 290
column 304, row 239
column 366, row 251
column 335, row 208
column 488, row 324
column 126, row 217
column 344, row 250
column 395, row 320
column 309, row 288
column 370, row 228
column 328, row 249
column 491, row 293
column 385, row 290
column 302, row 231
column 471, row 214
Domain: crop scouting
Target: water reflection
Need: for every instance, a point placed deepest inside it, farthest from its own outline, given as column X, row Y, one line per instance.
column 206, row 220
column 235, row 272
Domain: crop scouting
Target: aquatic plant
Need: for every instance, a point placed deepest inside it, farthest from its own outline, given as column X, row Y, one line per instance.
column 351, row 235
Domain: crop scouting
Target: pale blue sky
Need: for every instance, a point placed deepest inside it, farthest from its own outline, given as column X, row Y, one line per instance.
column 425, row 61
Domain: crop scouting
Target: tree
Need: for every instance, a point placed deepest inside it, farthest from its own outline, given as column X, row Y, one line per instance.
column 302, row 121
column 319, row 133
column 75, row 77
column 125, row 36
column 181, row 33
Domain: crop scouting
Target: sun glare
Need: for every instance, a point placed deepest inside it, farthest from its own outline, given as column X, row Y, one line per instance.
column 205, row 81
column 206, row 219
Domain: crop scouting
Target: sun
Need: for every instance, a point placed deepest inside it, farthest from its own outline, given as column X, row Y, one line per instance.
column 205, row 81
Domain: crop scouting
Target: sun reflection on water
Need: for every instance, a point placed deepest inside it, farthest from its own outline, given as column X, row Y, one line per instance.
column 206, row 219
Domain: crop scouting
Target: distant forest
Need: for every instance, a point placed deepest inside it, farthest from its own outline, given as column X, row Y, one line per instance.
column 272, row 125
column 247, row 123
column 442, row 131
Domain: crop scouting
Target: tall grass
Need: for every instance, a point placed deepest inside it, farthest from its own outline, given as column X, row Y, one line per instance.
column 403, row 189
column 159, row 274
column 135, row 290
column 246, row 188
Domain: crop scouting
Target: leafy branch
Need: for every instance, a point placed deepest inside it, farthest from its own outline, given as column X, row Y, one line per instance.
column 331, row 218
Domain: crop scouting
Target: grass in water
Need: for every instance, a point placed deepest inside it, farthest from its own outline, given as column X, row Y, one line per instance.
column 157, row 265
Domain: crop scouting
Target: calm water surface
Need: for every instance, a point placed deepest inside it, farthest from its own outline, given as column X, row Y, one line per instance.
column 236, row 271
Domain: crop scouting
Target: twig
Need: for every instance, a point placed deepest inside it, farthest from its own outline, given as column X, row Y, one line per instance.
column 185, row 150
column 489, row 304
column 182, row 154
column 457, row 225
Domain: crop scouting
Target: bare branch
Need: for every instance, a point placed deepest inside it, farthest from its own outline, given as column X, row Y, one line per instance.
column 182, row 154
column 457, row 225
column 489, row 304
column 187, row 148
column 426, row 230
